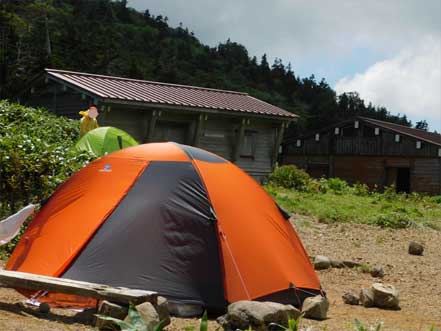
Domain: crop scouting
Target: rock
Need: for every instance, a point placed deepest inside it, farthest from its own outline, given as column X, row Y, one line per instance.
column 367, row 297
column 337, row 264
column 184, row 309
column 86, row 316
column 44, row 308
column 109, row 309
column 162, row 310
column 351, row 264
column 377, row 271
column 415, row 248
column 321, row 262
column 148, row 314
column 315, row 307
column 385, row 296
column 258, row 315
column 351, row 298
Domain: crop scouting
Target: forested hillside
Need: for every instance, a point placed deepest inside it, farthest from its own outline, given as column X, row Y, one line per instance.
column 107, row 37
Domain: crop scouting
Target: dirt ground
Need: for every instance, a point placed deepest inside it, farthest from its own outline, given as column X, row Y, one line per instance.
column 418, row 278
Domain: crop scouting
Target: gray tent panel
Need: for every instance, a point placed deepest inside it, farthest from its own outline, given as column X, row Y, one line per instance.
column 162, row 237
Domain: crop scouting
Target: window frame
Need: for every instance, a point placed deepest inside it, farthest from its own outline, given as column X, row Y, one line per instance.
column 251, row 153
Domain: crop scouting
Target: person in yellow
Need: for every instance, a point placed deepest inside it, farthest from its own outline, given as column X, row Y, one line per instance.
column 88, row 121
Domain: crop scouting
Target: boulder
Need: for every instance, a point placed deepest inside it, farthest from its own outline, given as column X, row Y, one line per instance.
column 258, row 315
column 184, row 309
column 337, row 264
column 385, row 296
column 322, row 262
column 351, row 298
column 315, row 307
column 367, row 297
column 162, row 310
column 415, row 248
column 109, row 309
column 377, row 271
column 148, row 314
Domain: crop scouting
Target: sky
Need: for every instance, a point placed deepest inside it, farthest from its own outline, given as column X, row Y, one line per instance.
column 389, row 51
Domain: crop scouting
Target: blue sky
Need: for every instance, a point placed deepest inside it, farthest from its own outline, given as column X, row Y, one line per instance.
column 388, row 51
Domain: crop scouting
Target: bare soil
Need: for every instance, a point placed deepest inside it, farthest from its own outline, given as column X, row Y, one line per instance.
column 418, row 278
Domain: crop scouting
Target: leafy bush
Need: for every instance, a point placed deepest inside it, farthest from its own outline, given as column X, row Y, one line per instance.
column 291, row 177
column 136, row 323
column 395, row 220
column 335, row 185
column 361, row 189
column 35, row 154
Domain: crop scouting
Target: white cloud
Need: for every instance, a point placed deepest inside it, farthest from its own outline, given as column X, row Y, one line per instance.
column 332, row 39
column 408, row 83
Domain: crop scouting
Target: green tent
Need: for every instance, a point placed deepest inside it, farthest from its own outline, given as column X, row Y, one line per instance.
column 104, row 140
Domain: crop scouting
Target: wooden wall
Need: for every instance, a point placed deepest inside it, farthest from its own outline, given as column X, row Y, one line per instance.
column 359, row 144
column 219, row 134
column 425, row 173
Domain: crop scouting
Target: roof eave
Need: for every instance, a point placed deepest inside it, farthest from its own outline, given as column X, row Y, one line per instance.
column 199, row 109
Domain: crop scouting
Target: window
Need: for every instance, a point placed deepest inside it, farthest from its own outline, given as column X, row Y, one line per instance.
column 418, row 144
column 299, row 143
column 248, row 146
column 337, row 131
column 397, row 138
column 317, row 137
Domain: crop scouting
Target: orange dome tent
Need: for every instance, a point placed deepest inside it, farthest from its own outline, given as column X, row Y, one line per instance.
column 173, row 219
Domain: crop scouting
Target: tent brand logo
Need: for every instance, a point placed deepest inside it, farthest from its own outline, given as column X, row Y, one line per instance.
column 107, row 168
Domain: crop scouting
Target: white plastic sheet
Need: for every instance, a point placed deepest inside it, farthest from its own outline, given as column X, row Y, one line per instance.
column 10, row 226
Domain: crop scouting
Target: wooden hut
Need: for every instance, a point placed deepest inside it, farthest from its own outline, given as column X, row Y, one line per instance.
column 370, row 151
column 234, row 125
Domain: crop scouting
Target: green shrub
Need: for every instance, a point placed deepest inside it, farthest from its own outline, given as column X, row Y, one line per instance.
column 395, row 220
column 35, row 155
column 361, row 190
column 436, row 199
column 136, row 323
column 335, row 185
column 291, row 177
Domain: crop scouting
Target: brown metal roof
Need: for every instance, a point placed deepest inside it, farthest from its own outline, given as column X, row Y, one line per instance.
column 132, row 90
column 431, row 137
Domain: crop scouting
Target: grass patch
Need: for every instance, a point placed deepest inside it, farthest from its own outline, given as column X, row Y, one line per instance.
column 387, row 210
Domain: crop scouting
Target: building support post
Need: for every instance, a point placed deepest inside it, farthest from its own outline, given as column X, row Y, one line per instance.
column 279, row 139
column 150, row 126
column 239, row 140
column 199, row 129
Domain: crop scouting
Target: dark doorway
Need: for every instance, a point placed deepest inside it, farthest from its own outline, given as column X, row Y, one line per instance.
column 403, row 180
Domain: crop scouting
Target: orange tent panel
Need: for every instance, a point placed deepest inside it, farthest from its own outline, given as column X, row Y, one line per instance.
column 72, row 215
column 261, row 251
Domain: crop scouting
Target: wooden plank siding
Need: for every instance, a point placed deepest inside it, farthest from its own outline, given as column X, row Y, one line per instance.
column 360, row 156
column 217, row 133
